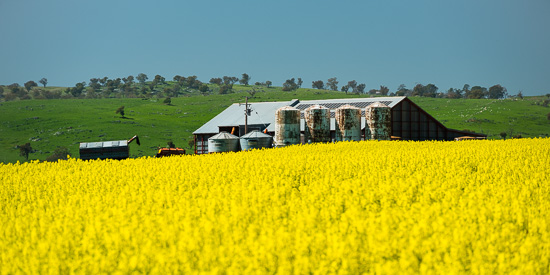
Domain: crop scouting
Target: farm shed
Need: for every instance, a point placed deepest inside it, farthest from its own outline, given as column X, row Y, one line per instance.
column 408, row 120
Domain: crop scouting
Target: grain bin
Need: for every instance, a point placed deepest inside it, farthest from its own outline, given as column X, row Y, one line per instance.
column 378, row 118
column 223, row 142
column 317, row 124
column 348, row 123
column 287, row 126
column 255, row 140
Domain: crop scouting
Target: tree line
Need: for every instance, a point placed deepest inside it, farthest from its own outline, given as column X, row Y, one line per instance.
column 141, row 87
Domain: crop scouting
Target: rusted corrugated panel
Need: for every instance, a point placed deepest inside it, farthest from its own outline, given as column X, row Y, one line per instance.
column 317, row 124
column 348, row 123
column 287, row 126
column 378, row 118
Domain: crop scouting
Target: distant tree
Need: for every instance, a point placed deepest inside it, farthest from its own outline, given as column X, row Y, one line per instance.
column 317, row 84
column 230, row 80
column 466, row 89
column 299, row 83
column 171, row 144
column 268, row 83
column 497, row 92
column 503, row 135
column 128, row 80
column 373, row 91
column 103, row 81
column 476, row 92
column 520, row 95
column 353, row 86
column 94, row 84
column 142, row 78
column 167, row 101
column 30, row 84
column 191, row 143
column 430, row 90
column 25, row 150
column 384, row 90
column 60, row 153
column 517, row 136
column 361, row 88
column 345, row 89
column 120, row 111
column 332, row 84
column 244, row 79
column 177, row 78
column 290, row 85
column 548, row 116
column 43, row 81
column 217, row 81
column 77, row 90
column 203, row 88
column 454, row 93
column 548, row 95
column 224, row 89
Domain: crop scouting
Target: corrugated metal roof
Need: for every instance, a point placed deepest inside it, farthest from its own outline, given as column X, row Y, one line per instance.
column 264, row 112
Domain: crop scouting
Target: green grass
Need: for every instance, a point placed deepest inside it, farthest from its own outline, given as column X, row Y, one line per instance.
column 48, row 124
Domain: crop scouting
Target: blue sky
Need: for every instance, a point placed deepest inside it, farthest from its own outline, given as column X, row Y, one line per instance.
column 378, row 42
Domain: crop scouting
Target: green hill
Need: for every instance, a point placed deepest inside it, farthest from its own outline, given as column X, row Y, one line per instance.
column 48, row 124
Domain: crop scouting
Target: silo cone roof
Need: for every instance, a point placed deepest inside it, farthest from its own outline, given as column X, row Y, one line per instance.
column 256, row 134
column 224, row 135
column 378, row 105
column 347, row 106
column 287, row 108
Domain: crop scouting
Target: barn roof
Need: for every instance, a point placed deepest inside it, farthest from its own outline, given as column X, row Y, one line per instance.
column 263, row 113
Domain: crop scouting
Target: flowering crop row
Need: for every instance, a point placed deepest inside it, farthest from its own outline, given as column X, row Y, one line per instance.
column 349, row 207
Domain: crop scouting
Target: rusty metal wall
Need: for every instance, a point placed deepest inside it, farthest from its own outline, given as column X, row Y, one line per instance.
column 317, row 124
column 287, row 126
column 378, row 119
column 348, row 123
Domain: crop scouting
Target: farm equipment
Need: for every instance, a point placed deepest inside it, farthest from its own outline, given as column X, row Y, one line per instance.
column 165, row 152
column 117, row 149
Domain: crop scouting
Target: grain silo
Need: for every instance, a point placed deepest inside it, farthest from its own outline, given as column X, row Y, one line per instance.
column 223, row 142
column 378, row 120
column 256, row 140
column 287, row 126
column 348, row 123
column 317, row 124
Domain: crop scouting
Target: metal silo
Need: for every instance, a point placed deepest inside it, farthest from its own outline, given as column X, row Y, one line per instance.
column 317, row 124
column 378, row 120
column 223, row 142
column 255, row 140
column 348, row 123
column 287, row 126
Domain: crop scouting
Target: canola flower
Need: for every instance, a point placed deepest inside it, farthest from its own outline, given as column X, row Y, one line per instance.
column 350, row 208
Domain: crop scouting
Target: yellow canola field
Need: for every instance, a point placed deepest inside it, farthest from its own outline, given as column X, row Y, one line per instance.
column 350, row 207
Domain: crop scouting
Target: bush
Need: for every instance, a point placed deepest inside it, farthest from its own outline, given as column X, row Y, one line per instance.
column 59, row 153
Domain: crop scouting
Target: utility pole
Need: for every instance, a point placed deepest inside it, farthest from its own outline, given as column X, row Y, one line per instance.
column 246, row 116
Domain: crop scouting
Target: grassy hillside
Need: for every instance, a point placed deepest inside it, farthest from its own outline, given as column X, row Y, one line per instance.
column 47, row 124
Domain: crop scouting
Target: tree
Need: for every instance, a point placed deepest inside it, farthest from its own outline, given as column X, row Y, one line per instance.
column 30, row 84
column 43, row 81
column 120, row 111
column 497, row 92
column 353, row 86
column 332, row 84
column 548, row 116
column 476, row 92
column 361, row 88
column 77, row 90
column 300, row 82
column 167, row 101
column 128, row 80
column 268, row 83
column 60, row 153
column 203, row 88
column 229, row 80
column 520, row 95
column 503, row 135
column 142, row 78
column 177, row 78
column 290, row 85
column 317, row 84
column 171, row 144
column 430, row 90
column 245, row 79
column 217, row 81
column 384, row 90
column 345, row 88
column 25, row 150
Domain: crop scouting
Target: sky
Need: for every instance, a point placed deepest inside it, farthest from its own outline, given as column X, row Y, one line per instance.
column 375, row 42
